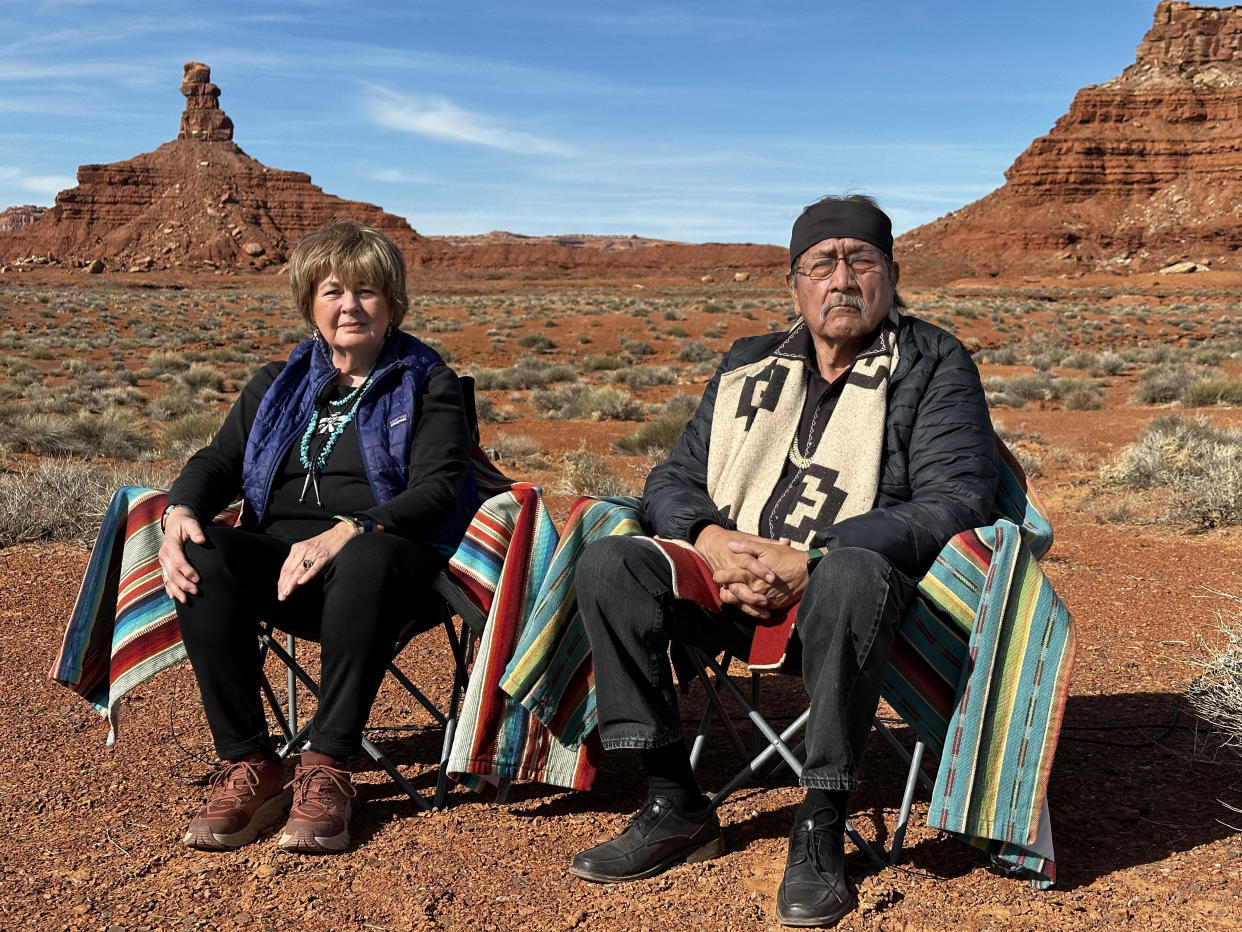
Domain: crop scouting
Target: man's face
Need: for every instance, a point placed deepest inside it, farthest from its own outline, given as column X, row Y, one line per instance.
column 849, row 303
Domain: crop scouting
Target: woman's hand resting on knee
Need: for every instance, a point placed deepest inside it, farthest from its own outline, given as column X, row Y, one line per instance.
column 308, row 558
column 180, row 578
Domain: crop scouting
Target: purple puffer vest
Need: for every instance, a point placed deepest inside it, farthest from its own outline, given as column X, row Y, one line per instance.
column 385, row 422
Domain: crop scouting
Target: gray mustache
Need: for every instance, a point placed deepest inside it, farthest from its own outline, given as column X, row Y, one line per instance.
column 836, row 299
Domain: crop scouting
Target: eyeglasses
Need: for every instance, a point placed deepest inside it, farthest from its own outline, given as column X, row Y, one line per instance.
column 860, row 263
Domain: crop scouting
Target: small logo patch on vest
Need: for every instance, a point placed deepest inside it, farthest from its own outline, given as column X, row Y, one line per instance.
column 401, row 419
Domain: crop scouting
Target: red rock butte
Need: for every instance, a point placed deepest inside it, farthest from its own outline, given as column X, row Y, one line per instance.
column 1142, row 171
column 200, row 202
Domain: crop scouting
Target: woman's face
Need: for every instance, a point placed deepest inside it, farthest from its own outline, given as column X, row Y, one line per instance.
column 352, row 322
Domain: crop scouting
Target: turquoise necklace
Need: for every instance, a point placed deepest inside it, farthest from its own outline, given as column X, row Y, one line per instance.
column 339, row 422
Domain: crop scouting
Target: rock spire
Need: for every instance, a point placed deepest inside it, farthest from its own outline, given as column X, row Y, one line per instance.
column 202, row 118
column 197, row 201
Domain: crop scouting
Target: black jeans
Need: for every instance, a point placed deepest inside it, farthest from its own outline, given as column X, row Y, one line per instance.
column 356, row 609
column 846, row 622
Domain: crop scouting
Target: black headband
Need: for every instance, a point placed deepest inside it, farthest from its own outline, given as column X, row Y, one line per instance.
column 836, row 219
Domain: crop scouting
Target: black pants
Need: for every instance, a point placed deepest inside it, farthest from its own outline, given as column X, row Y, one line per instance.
column 846, row 621
column 356, row 609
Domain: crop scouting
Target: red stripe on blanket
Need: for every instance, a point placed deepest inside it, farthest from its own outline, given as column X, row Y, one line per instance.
column 970, row 541
column 914, row 670
column 135, row 651
column 692, row 581
column 510, row 592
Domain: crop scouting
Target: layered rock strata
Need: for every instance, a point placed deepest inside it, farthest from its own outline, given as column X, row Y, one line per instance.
column 1143, row 169
column 14, row 218
column 198, row 200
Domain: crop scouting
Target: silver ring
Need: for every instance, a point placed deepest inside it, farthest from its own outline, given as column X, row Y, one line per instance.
column 307, row 564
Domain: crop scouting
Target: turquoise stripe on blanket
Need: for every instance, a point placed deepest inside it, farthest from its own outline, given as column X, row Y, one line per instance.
column 78, row 634
column 552, row 658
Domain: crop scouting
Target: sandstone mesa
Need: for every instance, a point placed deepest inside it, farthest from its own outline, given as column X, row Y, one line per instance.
column 1142, row 172
column 200, row 203
column 1140, row 175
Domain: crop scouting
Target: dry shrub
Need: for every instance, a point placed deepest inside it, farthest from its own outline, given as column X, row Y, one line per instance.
column 659, row 435
column 1195, row 461
column 1109, row 364
column 527, row 372
column 577, row 401
column 178, row 401
column 515, row 448
column 596, row 363
column 1216, row 693
column 487, row 413
column 1083, row 398
column 1165, row 383
column 696, row 351
column 190, row 433
column 1213, row 390
column 640, row 377
column 587, row 473
column 111, row 434
column 63, row 499
column 202, row 378
column 1017, row 391
column 160, row 361
column 539, row 342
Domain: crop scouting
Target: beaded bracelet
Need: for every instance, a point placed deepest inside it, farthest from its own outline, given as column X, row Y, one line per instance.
column 164, row 515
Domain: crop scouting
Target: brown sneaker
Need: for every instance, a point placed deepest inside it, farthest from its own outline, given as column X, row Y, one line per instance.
column 246, row 797
column 319, row 820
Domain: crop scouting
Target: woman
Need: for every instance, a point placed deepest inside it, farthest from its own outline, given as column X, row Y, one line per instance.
column 354, row 462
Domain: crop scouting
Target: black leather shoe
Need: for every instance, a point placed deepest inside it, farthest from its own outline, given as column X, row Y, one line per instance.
column 814, row 891
column 657, row 838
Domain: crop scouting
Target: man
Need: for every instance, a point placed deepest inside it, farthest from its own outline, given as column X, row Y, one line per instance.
column 827, row 465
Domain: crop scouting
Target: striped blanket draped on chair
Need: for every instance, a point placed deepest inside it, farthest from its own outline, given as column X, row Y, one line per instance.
column 123, row 629
column 506, row 556
column 980, row 670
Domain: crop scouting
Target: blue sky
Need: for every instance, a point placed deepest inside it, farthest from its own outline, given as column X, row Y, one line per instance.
column 691, row 121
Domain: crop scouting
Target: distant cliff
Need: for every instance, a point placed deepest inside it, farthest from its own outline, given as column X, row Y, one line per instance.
column 1143, row 169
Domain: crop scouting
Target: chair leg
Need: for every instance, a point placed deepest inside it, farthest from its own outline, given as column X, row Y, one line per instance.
column 291, row 684
column 776, row 743
column 713, row 693
column 274, row 704
column 391, row 769
column 903, row 818
column 461, row 647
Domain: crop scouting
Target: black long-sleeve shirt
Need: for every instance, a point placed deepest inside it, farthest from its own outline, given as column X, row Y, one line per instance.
column 439, row 458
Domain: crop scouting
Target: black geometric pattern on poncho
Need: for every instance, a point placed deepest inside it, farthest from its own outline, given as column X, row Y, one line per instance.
column 872, row 381
column 767, row 385
column 818, row 503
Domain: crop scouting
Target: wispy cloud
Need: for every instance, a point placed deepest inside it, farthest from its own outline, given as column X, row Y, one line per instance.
column 438, row 117
column 47, row 185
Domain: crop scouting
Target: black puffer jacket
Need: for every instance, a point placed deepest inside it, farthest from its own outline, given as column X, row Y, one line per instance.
column 937, row 472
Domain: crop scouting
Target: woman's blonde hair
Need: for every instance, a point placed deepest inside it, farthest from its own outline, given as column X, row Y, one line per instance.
column 358, row 255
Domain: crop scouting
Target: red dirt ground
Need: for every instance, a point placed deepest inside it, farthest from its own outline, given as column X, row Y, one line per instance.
column 93, row 832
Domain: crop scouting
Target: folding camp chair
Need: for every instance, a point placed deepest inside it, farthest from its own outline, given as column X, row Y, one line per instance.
column 448, row 601
column 924, row 677
column 461, row 644
column 767, row 743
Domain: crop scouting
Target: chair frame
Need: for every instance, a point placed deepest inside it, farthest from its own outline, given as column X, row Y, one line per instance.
column 766, row 743
column 461, row 644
